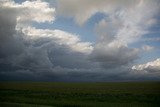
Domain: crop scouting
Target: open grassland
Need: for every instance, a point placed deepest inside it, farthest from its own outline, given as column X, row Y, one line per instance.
column 54, row 94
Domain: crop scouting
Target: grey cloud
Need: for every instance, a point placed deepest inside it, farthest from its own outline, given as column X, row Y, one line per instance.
column 62, row 74
column 25, row 58
column 110, row 57
column 48, row 55
column 107, row 29
column 10, row 43
column 77, row 75
column 125, row 22
column 82, row 10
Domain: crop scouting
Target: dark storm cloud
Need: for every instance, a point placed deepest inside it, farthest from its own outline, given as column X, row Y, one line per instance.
column 13, row 50
column 61, row 56
column 10, row 43
column 111, row 57
column 28, row 53
column 34, row 59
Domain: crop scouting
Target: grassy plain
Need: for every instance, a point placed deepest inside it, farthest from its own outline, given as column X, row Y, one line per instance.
column 56, row 94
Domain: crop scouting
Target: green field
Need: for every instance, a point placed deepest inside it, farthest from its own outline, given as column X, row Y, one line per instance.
column 54, row 94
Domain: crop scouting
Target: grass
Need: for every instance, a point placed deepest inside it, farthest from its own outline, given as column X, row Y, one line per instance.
column 54, row 94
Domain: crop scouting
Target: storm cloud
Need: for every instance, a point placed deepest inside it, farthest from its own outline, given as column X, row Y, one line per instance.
column 30, row 53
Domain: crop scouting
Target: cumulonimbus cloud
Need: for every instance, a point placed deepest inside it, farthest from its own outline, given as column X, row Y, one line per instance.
column 24, row 47
column 59, row 55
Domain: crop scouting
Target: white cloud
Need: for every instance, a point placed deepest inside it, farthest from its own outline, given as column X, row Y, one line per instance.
column 28, row 52
column 152, row 21
column 31, row 11
column 23, row 46
column 39, row 11
column 82, row 10
column 153, row 66
column 124, row 23
column 60, row 37
column 129, row 23
column 147, row 48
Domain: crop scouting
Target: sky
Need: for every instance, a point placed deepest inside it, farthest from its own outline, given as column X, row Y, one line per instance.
column 79, row 40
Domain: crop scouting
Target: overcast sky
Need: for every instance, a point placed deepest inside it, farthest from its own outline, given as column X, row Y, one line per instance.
column 80, row 40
